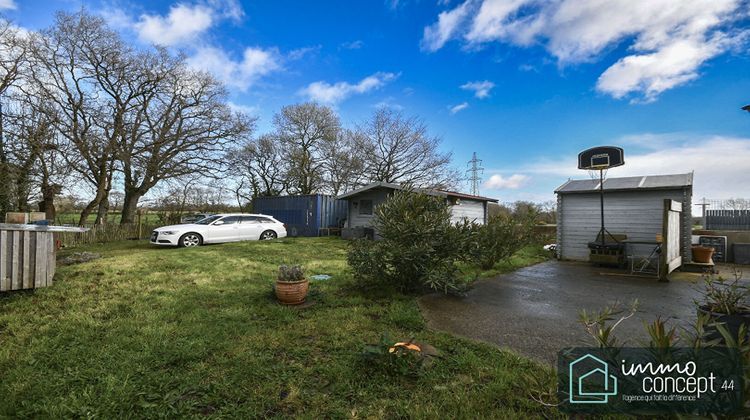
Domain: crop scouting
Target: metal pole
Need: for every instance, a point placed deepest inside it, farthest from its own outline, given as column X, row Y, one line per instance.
column 601, row 201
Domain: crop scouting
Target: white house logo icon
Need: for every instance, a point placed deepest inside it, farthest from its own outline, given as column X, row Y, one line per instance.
column 590, row 381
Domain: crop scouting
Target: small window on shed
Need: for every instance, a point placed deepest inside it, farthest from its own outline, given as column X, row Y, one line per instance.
column 365, row 206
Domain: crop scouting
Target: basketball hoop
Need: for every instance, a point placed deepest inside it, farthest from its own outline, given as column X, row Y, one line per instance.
column 601, row 159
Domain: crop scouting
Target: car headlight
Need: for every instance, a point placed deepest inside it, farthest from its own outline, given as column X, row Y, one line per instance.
column 167, row 232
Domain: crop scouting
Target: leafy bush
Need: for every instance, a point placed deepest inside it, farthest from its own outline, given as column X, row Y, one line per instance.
column 291, row 273
column 418, row 245
column 500, row 238
column 725, row 296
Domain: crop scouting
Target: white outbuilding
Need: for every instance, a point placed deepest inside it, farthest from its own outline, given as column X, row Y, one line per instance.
column 633, row 206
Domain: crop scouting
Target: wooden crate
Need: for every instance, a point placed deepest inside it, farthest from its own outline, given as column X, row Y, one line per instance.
column 27, row 259
column 27, row 255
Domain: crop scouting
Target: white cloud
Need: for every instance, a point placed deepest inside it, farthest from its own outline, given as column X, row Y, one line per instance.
column 231, row 9
column 325, row 92
column 353, row 45
column 252, row 111
column 300, row 53
column 8, row 5
column 389, row 102
column 668, row 40
column 653, row 73
column 183, row 23
column 240, row 74
column 513, row 182
column 458, row 108
column 481, row 89
column 117, row 18
column 447, row 26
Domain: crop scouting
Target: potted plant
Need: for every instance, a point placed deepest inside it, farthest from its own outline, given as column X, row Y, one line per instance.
column 291, row 285
column 702, row 254
column 726, row 302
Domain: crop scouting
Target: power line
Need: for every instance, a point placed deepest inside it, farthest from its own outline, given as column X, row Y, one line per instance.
column 475, row 171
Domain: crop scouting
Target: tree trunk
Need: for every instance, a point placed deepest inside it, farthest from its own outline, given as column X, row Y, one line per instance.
column 47, row 205
column 103, row 210
column 87, row 210
column 130, row 206
column 23, row 186
column 100, row 194
column 4, row 190
column 4, row 173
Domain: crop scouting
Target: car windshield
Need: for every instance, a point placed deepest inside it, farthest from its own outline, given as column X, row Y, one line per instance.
column 208, row 220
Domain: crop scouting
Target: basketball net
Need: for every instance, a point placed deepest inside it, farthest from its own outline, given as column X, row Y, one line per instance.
column 594, row 174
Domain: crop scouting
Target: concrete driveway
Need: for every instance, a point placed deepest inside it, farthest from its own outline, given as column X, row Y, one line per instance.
column 534, row 310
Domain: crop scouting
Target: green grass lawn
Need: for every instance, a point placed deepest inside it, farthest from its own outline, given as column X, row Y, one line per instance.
column 157, row 332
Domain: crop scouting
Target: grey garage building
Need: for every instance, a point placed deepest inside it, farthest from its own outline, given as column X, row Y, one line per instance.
column 633, row 206
column 363, row 201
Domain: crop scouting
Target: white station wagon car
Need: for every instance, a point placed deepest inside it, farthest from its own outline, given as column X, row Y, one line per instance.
column 220, row 228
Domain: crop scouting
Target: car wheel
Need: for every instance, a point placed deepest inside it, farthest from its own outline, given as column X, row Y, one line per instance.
column 269, row 234
column 190, row 240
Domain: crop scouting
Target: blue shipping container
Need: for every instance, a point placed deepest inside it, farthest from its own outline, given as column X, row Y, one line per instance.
column 304, row 215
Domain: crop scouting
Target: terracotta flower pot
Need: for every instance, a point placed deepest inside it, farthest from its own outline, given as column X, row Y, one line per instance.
column 702, row 254
column 291, row 292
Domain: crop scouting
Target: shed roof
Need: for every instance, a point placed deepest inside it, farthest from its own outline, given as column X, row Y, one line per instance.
column 429, row 191
column 630, row 183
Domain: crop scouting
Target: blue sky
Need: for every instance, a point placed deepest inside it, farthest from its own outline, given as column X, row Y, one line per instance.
column 525, row 84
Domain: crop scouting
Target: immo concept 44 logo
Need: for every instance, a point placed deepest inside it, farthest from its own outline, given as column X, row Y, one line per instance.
column 650, row 380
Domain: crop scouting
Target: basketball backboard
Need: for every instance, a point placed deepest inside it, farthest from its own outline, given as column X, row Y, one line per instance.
column 602, row 157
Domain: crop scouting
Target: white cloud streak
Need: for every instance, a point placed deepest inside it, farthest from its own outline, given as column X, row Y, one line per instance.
column 353, row 45
column 8, row 5
column 513, row 182
column 447, row 26
column 335, row 93
column 481, row 89
column 458, row 108
column 668, row 40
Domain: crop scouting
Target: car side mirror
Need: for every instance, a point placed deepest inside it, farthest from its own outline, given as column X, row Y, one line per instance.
column 218, row 222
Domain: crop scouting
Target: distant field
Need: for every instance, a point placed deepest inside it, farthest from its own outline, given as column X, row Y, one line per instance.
column 72, row 218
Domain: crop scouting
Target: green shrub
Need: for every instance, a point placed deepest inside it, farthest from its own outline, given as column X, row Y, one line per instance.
column 499, row 239
column 418, row 245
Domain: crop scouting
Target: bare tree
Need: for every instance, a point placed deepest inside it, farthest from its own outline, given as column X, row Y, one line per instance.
column 181, row 127
column 69, row 61
column 344, row 162
column 398, row 149
column 262, row 166
column 305, row 129
column 37, row 154
column 13, row 60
